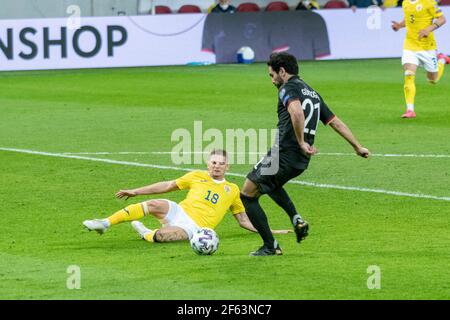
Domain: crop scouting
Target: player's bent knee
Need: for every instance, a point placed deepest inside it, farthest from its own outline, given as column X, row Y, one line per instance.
column 153, row 205
column 249, row 189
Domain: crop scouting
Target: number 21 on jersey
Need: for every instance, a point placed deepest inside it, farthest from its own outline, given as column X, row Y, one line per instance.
column 312, row 112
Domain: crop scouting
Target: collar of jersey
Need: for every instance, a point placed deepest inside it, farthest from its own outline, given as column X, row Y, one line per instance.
column 294, row 77
column 216, row 181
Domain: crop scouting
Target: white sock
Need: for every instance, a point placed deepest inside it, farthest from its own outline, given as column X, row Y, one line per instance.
column 409, row 107
column 275, row 244
column 296, row 219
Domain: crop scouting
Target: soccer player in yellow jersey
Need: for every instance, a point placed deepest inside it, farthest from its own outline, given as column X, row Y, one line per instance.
column 421, row 18
column 209, row 198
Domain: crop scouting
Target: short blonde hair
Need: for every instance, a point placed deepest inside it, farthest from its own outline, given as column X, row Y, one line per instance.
column 219, row 152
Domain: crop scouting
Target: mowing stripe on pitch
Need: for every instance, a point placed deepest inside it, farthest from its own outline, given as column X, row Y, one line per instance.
column 304, row 183
column 337, row 154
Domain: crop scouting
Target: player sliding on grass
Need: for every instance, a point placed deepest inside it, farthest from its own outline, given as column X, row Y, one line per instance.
column 209, row 198
column 420, row 46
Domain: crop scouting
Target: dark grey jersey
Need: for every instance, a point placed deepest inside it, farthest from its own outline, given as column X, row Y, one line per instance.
column 314, row 109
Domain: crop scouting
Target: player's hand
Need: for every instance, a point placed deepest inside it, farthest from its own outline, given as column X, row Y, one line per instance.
column 362, row 152
column 281, row 231
column 126, row 193
column 424, row 33
column 307, row 149
column 396, row 26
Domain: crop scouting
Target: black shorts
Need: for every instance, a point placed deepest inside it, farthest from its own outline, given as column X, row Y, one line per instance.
column 267, row 181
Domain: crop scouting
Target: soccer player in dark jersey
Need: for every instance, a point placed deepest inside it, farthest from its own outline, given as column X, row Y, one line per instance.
column 299, row 110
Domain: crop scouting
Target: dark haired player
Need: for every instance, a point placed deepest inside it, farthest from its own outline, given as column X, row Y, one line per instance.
column 299, row 110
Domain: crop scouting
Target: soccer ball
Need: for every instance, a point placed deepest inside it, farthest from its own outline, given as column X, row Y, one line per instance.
column 245, row 55
column 205, row 241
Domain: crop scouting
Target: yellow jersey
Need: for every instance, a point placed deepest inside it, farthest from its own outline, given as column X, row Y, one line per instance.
column 419, row 14
column 390, row 3
column 208, row 200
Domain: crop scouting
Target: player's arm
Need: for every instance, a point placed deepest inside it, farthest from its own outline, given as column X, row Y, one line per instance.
column 398, row 25
column 438, row 22
column 156, row 188
column 298, row 123
column 340, row 127
column 245, row 223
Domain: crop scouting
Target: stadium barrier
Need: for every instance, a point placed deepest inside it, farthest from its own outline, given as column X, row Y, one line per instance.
column 131, row 41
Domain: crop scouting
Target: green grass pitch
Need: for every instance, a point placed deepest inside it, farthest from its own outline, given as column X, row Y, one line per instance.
column 44, row 199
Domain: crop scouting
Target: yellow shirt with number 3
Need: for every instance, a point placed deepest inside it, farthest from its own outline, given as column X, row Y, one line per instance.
column 419, row 14
column 207, row 200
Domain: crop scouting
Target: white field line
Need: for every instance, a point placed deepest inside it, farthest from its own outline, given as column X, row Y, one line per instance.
column 388, row 155
column 310, row 184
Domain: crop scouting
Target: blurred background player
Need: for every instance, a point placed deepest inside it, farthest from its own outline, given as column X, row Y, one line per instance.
column 223, row 6
column 209, row 198
column 421, row 18
column 307, row 5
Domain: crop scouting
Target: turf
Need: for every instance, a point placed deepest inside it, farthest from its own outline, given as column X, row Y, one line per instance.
column 45, row 199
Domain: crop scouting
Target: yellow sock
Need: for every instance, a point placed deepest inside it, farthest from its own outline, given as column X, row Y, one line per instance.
column 149, row 236
column 440, row 70
column 410, row 87
column 130, row 213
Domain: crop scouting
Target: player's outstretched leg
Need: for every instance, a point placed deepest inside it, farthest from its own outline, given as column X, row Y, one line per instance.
column 410, row 93
column 442, row 61
column 282, row 199
column 99, row 225
column 434, row 77
column 130, row 213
